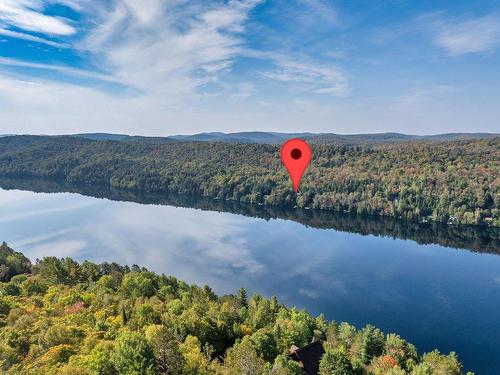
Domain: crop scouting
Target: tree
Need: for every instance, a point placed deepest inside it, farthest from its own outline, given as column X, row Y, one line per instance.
column 133, row 355
column 12, row 263
column 285, row 366
column 4, row 272
column 165, row 347
column 242, row 359
column 265, row 344
column 242, row 297
column 197, row 361
column 372, row 344
column 442, row 364
column 51, row 269
column 138, row 284
column 335, row 362
column 59, row 334
column 9, row 289
column 404, row 353
column 98, row 361
column 293, row 327
column 346, row 334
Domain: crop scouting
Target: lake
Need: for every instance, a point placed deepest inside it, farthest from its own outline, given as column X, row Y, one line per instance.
column 435, row 285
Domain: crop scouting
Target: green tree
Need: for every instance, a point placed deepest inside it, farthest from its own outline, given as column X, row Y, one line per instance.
column 265, row 344
column 138, row 284
column 164, row 343
column 442, row 364
column 197, row 361
column 133, row 355
column 335, row 362
column 372, row 344
column 283, row 365
column 9, row 289
column 242, row 297
column 12, row 263
column 97, row 361
column 403, row 352
column 242, row 359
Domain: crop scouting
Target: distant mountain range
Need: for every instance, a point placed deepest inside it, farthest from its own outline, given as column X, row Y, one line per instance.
column 277, row 138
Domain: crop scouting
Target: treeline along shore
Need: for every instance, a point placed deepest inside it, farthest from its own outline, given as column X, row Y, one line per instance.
column 61, row 317
column 482, row 239
column 452, row 182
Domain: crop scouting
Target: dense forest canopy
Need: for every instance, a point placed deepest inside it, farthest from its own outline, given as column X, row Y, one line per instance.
column 62, row 317
column 455, row 182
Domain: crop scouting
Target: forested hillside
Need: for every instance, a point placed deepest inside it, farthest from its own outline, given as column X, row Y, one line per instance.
column 66, row 318
column 456, row 182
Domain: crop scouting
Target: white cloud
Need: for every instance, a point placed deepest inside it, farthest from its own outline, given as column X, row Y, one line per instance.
column 165, row 50
column 455, row 36
column 28, row 15
column 57, row 68
column 469, row 36
column 32, row 38
column 316, row 78
column 168, row 47
column 318, row 13
column 73, row 4
column 416, row 100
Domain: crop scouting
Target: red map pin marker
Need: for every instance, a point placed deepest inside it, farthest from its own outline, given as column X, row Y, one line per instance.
column 296, row 156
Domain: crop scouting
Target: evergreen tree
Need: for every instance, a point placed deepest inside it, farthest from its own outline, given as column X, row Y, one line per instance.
column 242, row 297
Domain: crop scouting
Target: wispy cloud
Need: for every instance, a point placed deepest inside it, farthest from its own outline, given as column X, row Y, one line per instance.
column 32, row 38
column 312, row 77
column 454, row 35
column 467, row 36
column 165, row 51
column 417, row 99
column 153, row 45
column 28, row 15
column 169, row 47
column 168, row 50
column 318, row 13
column 58, row 68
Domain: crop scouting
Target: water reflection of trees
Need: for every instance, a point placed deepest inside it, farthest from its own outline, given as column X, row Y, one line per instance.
column 474, row 238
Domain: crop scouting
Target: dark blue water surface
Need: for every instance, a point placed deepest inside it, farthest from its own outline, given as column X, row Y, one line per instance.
column 434, row 296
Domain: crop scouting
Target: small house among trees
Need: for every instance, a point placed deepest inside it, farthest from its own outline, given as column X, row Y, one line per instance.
column 308, row 356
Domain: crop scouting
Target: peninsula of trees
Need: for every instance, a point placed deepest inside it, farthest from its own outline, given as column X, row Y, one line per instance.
column 454, row 182
column 61, row 317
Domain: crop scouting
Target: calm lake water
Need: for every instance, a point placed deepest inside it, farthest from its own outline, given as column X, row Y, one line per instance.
column 398, row 277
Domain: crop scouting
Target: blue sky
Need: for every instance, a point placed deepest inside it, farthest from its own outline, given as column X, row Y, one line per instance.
column 159, row 67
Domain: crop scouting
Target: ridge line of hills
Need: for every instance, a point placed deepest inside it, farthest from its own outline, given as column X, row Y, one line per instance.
column 277, row 138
